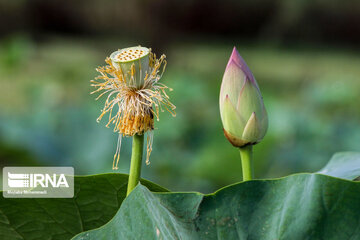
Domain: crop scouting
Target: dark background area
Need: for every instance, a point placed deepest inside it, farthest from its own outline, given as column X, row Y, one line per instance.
column 304, row 54
column 163, row 22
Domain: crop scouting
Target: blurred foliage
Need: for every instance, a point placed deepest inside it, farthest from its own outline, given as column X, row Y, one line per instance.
column 47, row 116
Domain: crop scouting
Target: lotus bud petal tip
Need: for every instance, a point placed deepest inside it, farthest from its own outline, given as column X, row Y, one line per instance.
column 242, row 110
column 235, row 58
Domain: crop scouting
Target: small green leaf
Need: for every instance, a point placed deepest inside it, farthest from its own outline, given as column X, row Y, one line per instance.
column 97, row 199
column 343, row 165
column 297, row 207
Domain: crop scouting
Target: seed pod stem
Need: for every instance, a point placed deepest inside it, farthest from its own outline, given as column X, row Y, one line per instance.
column 136, row 160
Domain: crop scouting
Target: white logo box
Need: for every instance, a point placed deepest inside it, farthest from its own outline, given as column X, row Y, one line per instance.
column 38, row 182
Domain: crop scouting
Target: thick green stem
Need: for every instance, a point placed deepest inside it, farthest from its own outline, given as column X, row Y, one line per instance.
column 246, row 162
column 136, row 159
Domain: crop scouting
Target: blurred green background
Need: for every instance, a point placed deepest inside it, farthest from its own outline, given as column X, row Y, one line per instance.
column 304, row 54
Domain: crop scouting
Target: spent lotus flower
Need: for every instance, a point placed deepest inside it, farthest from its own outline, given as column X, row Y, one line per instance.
column 242, row 109
column 134, row 94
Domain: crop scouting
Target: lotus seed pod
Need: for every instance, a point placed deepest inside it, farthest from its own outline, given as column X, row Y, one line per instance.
column 242, row 109
column 133, row 62
column 134, row 95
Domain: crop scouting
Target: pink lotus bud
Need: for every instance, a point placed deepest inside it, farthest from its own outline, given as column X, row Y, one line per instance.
column 242, row 108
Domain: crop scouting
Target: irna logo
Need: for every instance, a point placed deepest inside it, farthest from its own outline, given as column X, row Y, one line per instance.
column 38, row 182
column 19, row 180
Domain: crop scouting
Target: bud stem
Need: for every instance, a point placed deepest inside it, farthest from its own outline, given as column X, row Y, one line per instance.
column 136, row 159
column 246, row 162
